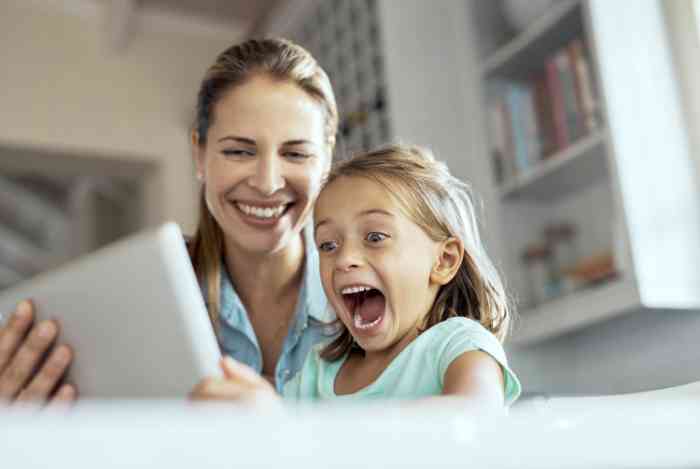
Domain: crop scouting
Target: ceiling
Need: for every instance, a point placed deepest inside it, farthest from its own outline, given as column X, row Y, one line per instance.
column 251, row 13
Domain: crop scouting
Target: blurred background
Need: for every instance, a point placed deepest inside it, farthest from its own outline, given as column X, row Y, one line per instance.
column 576, row 121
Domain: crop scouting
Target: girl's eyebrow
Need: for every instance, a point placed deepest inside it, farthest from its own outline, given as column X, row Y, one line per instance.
column 372, row 211
column 375, row 211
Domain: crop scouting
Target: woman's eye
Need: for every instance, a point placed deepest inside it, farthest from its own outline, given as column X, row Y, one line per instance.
column 327, row 246
column 375, row 237
column 295, row 155
column 236, row 152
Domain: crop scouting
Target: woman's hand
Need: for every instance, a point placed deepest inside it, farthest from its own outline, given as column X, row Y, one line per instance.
column 30, row 366
column 240, row 383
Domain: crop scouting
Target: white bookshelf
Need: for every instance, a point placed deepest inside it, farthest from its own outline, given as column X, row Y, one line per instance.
column 627, row 185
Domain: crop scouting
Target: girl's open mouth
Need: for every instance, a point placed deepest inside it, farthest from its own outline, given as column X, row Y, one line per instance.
column 367, row 306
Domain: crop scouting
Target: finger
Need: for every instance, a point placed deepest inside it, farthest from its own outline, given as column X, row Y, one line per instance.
column 241, row 372
column 27, row 358
column 216, row 389
column 45, row 381
column 66, row 394
column 14, row 331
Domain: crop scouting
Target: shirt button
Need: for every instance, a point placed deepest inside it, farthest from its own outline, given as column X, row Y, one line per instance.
column 285, row 373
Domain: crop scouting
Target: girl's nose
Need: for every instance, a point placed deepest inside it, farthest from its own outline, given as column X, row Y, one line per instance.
column 268, row 175
column 348, row 259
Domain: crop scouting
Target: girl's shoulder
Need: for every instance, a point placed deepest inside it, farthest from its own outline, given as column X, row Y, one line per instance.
column 463, row 327
column 459, row 335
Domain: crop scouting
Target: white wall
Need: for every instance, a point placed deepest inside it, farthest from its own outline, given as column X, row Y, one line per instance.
column 684, row 30
column 62, row 87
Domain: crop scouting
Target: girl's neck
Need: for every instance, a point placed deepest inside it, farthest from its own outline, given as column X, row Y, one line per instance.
column 388, row 354
column 265, row 278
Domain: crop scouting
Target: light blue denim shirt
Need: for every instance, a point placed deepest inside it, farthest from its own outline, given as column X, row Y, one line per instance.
column 312, row 322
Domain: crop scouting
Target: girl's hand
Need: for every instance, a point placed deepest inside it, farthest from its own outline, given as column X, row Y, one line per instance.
column 240, row 383
column 31, row 367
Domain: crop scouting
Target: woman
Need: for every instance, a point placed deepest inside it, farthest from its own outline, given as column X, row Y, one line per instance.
column 262, row 144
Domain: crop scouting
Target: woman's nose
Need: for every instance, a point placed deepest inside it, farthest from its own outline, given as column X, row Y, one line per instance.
column 268, row 177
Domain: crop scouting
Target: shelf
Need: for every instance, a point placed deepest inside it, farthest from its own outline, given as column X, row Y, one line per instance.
column 23, row 255
column 530, row 49
column 575, row 311
column 9, row 276
column 575, row 167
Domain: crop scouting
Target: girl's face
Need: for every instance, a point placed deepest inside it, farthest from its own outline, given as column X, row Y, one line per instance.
column 263, row 163
column 376, row 263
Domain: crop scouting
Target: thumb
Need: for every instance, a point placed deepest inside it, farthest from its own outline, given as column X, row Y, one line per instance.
column 239, row 371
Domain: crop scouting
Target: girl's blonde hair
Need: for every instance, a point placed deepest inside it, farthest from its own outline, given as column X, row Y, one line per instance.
column 279, row 59
column 443, row 207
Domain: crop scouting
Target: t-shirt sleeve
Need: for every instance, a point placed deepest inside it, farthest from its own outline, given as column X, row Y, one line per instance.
column 467, row 335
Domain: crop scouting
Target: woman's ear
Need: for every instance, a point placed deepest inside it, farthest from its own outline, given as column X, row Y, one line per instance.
column 449, row 258
column 197, row 154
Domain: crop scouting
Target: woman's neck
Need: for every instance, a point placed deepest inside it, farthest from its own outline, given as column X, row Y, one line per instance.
column 264, row 278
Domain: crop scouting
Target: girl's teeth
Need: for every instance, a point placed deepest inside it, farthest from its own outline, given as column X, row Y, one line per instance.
column 357, row 319
column 349, row 290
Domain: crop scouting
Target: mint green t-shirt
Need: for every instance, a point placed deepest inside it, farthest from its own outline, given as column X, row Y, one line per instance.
column 418, row 371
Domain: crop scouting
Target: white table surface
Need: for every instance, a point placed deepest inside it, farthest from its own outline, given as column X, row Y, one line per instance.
column 647, row 431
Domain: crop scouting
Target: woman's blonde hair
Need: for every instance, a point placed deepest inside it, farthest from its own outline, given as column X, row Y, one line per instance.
column 279, row 59
column 443, row 206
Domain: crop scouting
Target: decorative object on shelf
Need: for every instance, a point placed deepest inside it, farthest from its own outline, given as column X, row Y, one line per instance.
column 520, row 13
column 561, row 240
column 593, row 270
column 537, row 258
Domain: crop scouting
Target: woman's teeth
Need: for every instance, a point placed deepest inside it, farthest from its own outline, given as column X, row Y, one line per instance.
column 262, row 212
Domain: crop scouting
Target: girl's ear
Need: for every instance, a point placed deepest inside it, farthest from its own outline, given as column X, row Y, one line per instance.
column 197, row 154
column 450, row 256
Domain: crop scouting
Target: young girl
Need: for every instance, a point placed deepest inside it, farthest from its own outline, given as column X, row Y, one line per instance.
column 421, row 309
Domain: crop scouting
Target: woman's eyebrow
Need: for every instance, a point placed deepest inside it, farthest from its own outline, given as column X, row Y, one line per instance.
column 236, row 138
column 298, row 142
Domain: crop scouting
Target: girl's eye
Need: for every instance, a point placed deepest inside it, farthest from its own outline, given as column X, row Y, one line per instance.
column 327, row 246
column 236, row 152
column 375, row 237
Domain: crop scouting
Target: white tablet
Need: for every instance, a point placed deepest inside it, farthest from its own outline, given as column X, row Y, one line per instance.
column 133, row 314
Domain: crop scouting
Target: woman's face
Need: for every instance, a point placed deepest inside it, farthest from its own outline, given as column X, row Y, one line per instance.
column 263, row 163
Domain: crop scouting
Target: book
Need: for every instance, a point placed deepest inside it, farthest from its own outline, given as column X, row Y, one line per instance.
column 532, row 139
column 587, row 99
column 545, row 119
column 561, row 134
column 567, row 79
column 515, row 103
column 497, row 142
